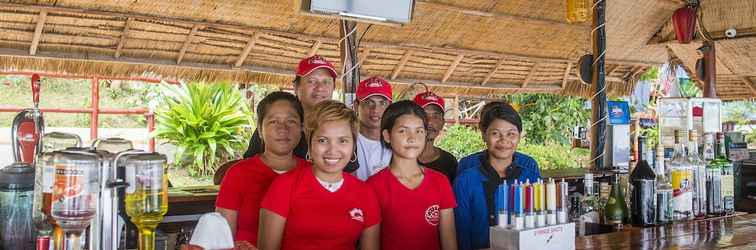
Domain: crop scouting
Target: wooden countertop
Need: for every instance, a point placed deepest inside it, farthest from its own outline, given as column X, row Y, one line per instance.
column 738, row 232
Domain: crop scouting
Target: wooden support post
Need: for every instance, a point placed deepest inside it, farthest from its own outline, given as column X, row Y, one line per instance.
column 452, row 67
column 95, row 116
column 493, row 71
column 38, row 32
column 566, row 75
column 530, row 76
column 315, row 48
column 245, row 53
column 400, row 66
column 124, row 35
column 187, row 42
column 599, row 101
column 710, row 69
column 348, row 53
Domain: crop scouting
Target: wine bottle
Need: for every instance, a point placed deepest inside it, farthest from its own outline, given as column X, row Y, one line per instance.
column 643, row 195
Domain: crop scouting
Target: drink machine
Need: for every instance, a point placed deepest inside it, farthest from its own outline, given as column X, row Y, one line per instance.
column 27, row 127
column 685, row 114
column 617, row 147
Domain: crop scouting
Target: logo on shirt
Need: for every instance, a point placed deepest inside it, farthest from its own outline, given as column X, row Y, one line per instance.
column 432, row 215
column 356, row 214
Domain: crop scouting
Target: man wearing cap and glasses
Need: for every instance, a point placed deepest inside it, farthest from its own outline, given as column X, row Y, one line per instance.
column 373, row 97
column 432, row 156
column 314, row 82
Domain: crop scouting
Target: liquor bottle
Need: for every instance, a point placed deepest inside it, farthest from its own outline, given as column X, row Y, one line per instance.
column 615, row 210
column 589, row 205
column 682, row 176
column 728, row 183
column 699, row 175
column 708, row 148
column 663, row 189
column 715, row 203
column 643, row 195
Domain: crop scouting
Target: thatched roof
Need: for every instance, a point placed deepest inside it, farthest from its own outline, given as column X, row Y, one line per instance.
column 736, row 57
column 471, row 47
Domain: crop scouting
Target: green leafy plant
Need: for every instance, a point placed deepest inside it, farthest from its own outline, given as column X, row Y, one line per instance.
column 548, row 118
column 555, row 156
column 208, row 123
column 461, row 141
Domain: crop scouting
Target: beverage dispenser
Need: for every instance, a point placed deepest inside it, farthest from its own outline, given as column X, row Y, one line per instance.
column 146, row 196
column 16, row 192
column 74, row 194
column 27, row 128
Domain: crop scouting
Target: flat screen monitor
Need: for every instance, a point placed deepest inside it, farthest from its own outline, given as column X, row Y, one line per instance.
column 392, row 11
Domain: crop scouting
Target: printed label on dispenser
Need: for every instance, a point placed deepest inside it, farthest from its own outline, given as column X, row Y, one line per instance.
column 48, row 178
column 69, row 183
column 150, row 178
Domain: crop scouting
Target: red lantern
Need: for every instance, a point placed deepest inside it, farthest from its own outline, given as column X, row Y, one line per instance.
column 684, row 20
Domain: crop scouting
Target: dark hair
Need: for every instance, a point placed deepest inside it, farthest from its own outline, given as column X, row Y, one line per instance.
column 268, row 100
column 499, row 110
column 296, row 81
column 397, row 109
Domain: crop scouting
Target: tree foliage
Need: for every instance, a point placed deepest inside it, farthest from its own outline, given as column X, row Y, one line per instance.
column 549, row 119
column 208, row 123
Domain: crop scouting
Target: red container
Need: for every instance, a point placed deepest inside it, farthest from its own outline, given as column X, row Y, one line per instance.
column 43, row 243
column 684, row 20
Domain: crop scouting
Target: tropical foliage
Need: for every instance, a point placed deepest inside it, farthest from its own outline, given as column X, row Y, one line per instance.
column 208, row 123
column 549, row 119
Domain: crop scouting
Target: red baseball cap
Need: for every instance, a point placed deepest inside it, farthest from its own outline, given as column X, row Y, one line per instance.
column 429, row 98
column 373, row 86
column 310, row 64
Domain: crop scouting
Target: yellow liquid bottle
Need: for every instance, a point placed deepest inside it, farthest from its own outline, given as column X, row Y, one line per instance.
column 147, row 195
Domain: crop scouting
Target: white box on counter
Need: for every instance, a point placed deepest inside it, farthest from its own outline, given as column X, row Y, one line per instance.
column 544, row 238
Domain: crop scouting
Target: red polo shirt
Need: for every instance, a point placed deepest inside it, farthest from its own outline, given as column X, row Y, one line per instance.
column 410, row 217
column 242, row 190
column 317, row 218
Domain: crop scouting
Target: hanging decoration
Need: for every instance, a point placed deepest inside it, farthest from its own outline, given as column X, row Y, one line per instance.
column 578, row 11
column 684, row 20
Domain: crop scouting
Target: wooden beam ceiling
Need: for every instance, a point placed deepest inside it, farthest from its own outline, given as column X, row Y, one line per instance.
column 452, row 67
column 245, row 52
column 363, row 56
column 38, row 32
column 314, row 49
column 561, row 24
column 302, row 36
column 749, row 83
column 124, row 35
column 187, row 42
column 530, row 76
column 566, row 74
column 493, row 71
column 402, row 62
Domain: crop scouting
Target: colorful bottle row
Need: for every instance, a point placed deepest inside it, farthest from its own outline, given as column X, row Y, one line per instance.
column 532, row 205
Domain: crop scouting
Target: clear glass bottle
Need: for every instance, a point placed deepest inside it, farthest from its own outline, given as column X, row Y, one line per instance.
column 682, row 178
column 708, row 151
column 715, row 204
column 663, row 189
column 699, row 175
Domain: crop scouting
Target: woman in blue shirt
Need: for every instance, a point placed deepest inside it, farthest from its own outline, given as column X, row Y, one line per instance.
column 481, row 173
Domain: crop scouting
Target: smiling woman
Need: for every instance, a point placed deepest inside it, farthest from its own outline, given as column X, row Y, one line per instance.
column 300, row 203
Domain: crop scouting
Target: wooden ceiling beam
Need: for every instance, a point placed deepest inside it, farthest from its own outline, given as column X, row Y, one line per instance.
column 452, row 67
column 38, row 32
column 402, row 62
column 363, row 56
column 566, row 74
column 124, row 35
column 245, row 52
column 749, row 84
column 493, row 71
column 372, row 44
column 530, row 76
column 315, row 47
column 613, row 69
column 187, row 42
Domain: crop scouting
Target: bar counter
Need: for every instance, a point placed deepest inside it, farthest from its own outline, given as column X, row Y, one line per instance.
column 733, row 232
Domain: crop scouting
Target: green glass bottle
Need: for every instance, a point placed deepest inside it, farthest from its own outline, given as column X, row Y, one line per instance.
column 615, row 211
column 728, row 180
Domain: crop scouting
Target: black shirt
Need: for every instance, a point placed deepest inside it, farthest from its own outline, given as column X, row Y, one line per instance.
column 445, row 163
column 256, row 146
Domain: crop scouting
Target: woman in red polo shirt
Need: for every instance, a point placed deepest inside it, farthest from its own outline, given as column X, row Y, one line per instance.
column 417, row 203
column 321, row 207
column 279, row 116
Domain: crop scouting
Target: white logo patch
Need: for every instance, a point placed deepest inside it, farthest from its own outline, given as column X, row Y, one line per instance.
column 356, row 214
column 432, row 215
